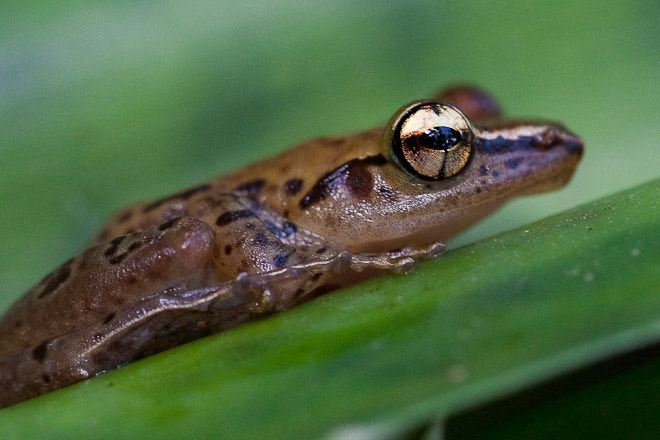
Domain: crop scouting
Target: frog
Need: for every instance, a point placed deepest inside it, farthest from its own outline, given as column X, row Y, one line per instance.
column 325, row 214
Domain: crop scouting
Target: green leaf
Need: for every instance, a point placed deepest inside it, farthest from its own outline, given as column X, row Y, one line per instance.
column 480, row 322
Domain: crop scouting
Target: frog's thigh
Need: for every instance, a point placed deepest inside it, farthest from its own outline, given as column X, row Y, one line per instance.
column 108, row 277
column 171, row 251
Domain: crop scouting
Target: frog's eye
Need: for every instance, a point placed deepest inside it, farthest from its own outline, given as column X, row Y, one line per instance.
column 429, row 139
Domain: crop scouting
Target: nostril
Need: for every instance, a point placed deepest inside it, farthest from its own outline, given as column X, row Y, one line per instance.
column 546, row 140
column 552, row 137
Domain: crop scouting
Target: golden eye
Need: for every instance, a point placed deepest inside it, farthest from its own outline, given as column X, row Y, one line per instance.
column 429, row 139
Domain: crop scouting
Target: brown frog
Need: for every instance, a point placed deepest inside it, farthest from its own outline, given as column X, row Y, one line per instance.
column 322, row 215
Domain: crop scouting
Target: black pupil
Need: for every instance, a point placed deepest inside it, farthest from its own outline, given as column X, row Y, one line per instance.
column 439, row 138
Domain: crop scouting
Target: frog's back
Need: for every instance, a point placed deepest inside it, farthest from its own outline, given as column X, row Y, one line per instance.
column 279, row 183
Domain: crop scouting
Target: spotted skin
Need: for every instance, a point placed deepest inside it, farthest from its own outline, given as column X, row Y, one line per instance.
column 325, row 214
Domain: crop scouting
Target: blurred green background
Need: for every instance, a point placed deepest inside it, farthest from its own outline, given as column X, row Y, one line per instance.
column 103, row 103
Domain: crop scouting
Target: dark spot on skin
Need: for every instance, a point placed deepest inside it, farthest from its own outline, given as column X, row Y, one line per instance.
column 118, row 259
column 227, row 250
column 183, row 195
column 280, row 260
column 125, row 216
column 332, row 179
column 134, row 246
column 513, row 163
column 287, row 229
column 39, row 352
column 18, row 324
column 321, row 250
column 272, row 227
column 385, row 191
column 359, row 180
column 114, row 245
column 251, row 188
column 299, row 292
column 55, row 279
column 478, row 189
column 109, row 318
column 168, row 224
column 332, row 142
column 293, row 186
column 501, row 145
column 483, row 170
column 45, row 378
column 316, row 277
column 227, row 217
column 103, row 236
column 260, row 239
column 496, row 173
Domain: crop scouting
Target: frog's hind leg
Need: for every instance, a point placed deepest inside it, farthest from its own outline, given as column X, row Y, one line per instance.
column 107, row 277
column 146, row 327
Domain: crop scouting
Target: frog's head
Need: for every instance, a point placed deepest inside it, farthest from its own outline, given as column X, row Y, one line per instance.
column 432, row 172
column 439, row 173
column 452, row 172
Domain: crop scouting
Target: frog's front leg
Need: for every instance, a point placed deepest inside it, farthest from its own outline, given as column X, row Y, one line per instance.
column 339, row 269
column 252, row 239
column 397, row 261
